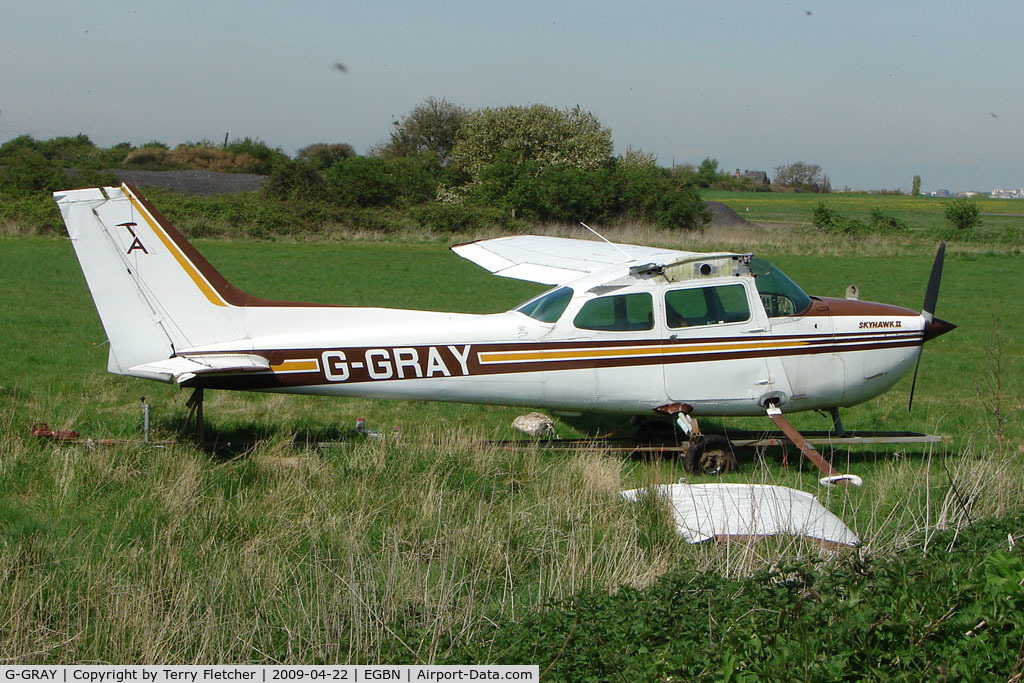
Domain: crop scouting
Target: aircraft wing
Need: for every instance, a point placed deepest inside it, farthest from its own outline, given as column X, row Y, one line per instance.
column 557, row 260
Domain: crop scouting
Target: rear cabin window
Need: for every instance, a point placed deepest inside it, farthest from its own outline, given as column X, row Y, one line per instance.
column 548, row 307
column 706, row 306
column 620, row 313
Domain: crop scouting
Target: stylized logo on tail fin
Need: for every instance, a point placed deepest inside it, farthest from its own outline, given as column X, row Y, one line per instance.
column 136, row 243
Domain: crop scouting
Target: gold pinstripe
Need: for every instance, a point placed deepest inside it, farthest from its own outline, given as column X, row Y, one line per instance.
column 208, row 291
column 655, row 351
column 297, row 365
column 537, row 355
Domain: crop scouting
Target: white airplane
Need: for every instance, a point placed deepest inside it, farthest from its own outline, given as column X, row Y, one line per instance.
column 626, row 329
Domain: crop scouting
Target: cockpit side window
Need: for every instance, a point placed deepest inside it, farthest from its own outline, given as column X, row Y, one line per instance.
column 620, row 313
column 706, row 306
column 548, row 307
column 780, row 295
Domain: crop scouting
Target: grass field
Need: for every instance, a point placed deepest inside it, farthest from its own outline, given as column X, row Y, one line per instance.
column 1002, row 219
column 410, row 547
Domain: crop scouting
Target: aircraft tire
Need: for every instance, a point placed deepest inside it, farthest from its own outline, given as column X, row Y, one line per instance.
column 711, row 455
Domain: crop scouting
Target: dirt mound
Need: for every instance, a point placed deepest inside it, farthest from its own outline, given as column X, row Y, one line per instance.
column 723, row 216
column 192, row 182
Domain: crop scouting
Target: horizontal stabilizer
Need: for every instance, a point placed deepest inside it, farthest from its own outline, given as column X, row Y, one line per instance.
column 180, row 369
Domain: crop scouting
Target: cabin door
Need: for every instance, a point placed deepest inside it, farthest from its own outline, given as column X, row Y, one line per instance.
column 717, row 349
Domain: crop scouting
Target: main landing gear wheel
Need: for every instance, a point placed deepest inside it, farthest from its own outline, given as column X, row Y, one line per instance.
column 711, row 455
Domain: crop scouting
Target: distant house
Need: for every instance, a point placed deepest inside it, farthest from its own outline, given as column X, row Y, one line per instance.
column 756, row 177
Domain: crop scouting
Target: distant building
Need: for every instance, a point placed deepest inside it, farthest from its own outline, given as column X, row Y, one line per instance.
column 1008, row 194
column 756, row 177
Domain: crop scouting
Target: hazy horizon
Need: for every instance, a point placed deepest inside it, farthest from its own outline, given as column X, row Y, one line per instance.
column 873, row 93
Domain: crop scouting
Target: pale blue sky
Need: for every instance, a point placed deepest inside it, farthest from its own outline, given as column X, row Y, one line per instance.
column 874, row 91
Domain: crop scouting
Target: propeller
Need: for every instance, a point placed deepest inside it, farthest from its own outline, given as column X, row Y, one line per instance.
column 933, row 327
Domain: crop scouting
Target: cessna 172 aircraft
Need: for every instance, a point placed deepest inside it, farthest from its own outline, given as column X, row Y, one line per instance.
column 626, row 329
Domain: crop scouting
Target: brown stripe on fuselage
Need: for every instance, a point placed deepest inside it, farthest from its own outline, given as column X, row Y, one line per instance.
column 661, row 352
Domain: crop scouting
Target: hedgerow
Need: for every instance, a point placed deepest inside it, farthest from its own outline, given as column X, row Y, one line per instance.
column 953, row 612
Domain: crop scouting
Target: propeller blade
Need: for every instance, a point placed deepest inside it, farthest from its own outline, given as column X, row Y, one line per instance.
column 913, row 382
column 933, row 326
column 931, row 295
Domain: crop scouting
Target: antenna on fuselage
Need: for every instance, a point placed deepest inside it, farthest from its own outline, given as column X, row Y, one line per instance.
column 621, row 250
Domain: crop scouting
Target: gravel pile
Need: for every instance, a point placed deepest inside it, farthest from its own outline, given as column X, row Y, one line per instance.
column 192, row 182
column 724, row 216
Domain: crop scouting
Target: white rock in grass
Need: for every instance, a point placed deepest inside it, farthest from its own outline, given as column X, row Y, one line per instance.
column 535, row 424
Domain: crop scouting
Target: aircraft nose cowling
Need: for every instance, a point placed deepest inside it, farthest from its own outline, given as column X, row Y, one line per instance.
column 824, row 305
column 936, row 327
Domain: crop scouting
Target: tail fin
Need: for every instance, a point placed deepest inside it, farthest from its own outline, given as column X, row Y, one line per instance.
column 154, row 292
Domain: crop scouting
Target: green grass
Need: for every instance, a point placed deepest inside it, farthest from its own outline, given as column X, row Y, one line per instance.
column 1003, row 219
column 409, row 548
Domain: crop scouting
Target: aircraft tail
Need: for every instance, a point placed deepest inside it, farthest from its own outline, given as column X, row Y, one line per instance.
column 155, row 294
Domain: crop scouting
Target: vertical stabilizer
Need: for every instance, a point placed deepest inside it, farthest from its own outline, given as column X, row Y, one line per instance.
column 153, row 292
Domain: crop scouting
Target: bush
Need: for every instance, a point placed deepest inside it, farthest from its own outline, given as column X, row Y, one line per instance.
column 322, row 156
column 883, row 223
column 204, row 157
column 375, row 182
column 150, row 156
column 65, row 152
column 30, row 213
column 667, row 199
column 565, row 193
column 296, row 180
column 446, row 218
column 682, row 209
column 510, row 185
column 30, row 171
column 963, row 213
column 954, row 611
column 827, row 219
column 268, row 157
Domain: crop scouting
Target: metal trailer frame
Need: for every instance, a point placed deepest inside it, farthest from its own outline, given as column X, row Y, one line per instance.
column 738, row 438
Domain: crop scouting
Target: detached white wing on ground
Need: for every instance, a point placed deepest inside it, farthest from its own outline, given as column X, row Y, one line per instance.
column 704, row 511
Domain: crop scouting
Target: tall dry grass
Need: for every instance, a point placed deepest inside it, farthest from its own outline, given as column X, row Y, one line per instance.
column 380, row 550
column 377, row 551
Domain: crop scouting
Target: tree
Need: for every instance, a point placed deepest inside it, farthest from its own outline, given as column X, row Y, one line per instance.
column 707, row 172
column 431, row 126
column 963, row 213
column 536, row 133
column 637, row 158
column 915, row 190
column 803, row 176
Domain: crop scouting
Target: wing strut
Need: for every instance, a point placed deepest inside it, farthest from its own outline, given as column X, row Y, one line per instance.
column 832, row 477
